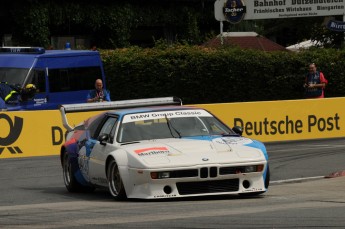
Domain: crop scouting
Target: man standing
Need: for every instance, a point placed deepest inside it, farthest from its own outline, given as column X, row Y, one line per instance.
column 315, row 83
column 99, row 94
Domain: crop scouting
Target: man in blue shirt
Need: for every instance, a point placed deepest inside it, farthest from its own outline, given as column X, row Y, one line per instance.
column 315, row 83
column 99, row 94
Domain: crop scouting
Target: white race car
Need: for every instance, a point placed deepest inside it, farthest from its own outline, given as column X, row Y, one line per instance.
column 141, row 150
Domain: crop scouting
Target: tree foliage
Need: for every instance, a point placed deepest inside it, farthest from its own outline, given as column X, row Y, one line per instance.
column 110, row 23
column 120, row 23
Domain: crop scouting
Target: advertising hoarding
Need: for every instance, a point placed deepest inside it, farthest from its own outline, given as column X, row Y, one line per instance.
column 268, row 9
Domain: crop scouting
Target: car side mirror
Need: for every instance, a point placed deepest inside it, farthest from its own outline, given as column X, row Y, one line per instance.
column 103, row 138
column 238, row 130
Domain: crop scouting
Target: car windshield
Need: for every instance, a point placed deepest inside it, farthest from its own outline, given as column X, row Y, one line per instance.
column 13, row 75
column 170, row 124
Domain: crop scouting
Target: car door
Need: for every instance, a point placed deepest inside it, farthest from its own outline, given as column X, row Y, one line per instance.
column 101, row 150
column 38, row 77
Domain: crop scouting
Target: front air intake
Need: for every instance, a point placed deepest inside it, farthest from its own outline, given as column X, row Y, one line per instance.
column 214, row 186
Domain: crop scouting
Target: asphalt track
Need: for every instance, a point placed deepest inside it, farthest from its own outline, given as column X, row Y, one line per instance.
column 32, row 195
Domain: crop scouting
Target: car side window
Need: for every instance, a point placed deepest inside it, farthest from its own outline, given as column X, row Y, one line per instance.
column 94, row 126
column 215, row 126
column 109, row 128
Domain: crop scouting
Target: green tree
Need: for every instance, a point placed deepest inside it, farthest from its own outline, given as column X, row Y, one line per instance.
column 327, row 38
column 290, row 31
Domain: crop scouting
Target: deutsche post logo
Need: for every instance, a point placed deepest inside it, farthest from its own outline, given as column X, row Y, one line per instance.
column 14, row 133
column 234, row 11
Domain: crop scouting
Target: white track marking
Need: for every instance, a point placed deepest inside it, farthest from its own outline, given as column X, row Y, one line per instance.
column 309, row 148
column 295, row 180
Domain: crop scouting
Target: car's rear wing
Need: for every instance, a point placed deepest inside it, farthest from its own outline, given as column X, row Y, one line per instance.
column 83, row 107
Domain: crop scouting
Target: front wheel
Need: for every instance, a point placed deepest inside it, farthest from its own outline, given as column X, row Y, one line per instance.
column 115, row 183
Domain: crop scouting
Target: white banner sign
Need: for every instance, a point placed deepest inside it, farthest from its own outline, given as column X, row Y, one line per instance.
column 165, row 114
column 266, row 9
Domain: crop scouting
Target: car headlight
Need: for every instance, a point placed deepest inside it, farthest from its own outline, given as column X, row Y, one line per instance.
column 253, row 168
column 160, row 175
column 250, row 169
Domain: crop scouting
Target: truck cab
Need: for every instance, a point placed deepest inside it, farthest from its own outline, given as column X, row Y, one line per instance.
column 60, row 76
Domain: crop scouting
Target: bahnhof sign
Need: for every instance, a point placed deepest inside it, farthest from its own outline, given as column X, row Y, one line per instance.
column 266, row 9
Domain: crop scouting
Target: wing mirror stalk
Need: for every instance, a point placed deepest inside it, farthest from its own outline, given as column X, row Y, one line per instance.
column 103, row 139
column 238, row 130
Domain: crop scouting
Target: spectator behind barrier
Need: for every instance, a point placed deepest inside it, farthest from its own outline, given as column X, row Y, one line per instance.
column 99, row 94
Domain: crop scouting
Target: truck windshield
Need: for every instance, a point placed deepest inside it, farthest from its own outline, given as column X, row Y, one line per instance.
column 13, row 75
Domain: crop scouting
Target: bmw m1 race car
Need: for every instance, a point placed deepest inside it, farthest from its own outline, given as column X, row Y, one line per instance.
column 157, row 148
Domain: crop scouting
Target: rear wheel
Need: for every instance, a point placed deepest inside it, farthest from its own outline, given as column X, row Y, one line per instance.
column 70, row 181
column 115, row 184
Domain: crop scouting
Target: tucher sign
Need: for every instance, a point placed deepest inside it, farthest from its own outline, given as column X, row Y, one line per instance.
column 266, row 9
column 234, row 11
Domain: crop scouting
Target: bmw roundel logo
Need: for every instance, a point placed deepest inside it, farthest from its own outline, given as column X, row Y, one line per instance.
column 234, row 11
column 205, row 159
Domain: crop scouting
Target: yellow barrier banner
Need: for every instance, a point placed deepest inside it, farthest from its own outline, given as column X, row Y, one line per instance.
column 34, row 133
column 284, row 120
column 41, row 133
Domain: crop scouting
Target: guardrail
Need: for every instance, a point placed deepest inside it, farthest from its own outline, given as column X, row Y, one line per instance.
column 41, row 133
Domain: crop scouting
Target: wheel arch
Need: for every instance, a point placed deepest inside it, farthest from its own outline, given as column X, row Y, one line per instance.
column 119, row 156
column 107, row 162
column 62, row 153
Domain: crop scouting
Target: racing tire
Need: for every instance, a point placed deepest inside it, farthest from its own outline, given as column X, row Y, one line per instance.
column 115, row 183
column 70, row 181
column 267, row 183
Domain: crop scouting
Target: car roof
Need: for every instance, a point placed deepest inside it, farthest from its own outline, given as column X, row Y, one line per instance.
column 150, row 109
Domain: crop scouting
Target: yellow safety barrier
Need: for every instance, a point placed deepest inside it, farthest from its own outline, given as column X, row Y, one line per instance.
column 40, row 133
column 285, row 120
column 34, row 133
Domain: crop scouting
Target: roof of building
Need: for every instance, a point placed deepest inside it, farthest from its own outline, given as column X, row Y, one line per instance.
column 245, row 40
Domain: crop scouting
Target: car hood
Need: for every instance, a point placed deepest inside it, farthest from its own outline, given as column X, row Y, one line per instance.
column 190, row 152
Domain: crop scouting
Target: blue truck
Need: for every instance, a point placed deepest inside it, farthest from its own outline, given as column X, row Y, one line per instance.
column 60, row 76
